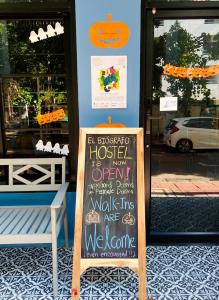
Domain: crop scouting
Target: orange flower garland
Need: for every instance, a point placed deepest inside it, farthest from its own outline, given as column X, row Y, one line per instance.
column 51, row 117
column 183, row 72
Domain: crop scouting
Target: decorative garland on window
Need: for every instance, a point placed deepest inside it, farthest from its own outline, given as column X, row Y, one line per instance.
column 54, row 116
column 49, row 148
column 183, row 72
column 42, row 35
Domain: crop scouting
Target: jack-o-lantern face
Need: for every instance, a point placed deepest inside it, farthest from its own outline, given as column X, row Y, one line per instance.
column 109, row 34
column 128, row 219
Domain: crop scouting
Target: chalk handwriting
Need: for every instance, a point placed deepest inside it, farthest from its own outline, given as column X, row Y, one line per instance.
column 99, row 174
column 111, row 204
column 106, row 241
column 111, row 152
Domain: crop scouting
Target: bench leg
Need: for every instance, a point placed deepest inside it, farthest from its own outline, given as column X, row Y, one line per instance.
column 54, row 253
column 65, row 224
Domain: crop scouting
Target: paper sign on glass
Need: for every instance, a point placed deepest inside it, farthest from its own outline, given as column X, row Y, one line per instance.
column 168, row 103
column 109, row 81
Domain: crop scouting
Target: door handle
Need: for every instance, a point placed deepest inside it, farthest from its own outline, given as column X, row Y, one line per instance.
column 148, row 124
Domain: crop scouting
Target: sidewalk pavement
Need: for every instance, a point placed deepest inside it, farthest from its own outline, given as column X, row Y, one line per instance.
column 196, row 188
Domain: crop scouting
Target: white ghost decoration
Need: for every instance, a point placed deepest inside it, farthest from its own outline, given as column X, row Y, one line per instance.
column 65, row 150
column 39, row 145
column 50, row 31
column 56, row 149
column 42, row 34
column 59, row 29
column 33, row 37
column 48, row 147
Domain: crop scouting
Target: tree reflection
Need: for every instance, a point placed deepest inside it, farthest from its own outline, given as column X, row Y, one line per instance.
column 181, row 48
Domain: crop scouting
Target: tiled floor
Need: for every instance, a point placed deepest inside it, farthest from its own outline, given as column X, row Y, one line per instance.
column 173, row 272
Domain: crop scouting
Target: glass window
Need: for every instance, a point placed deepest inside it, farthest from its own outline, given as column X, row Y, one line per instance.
column 215, row 123
column 33, row 86
column 199, row 123
column 149, row 1
column 185, row 139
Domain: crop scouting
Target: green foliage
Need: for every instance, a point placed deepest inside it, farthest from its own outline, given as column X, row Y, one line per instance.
column 49, row 97
column 23, row 96
column 210, row 46
column 17, row 95
column 60, row 98
column 38, row 62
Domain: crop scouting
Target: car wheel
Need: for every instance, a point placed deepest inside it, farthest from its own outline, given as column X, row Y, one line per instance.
column 184, row 145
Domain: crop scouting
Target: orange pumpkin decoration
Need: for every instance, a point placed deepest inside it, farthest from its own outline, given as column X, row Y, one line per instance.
column 110, row 124
column 109, row 34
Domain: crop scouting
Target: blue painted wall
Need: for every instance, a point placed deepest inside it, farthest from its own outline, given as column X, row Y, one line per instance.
column 44, row 199
column 87, row 13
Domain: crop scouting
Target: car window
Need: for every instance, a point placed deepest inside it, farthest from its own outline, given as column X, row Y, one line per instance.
column 199, row 123
column 215, row 123
column 207, row 123
column 195, row 123
column 171, row 124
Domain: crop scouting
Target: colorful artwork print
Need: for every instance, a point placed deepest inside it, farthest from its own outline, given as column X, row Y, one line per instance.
column 109, row 82
column 109, row 79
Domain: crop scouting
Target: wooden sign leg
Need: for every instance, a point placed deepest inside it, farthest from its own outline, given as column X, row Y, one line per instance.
column 75, row 287
column 75, row 292
column 142, row 285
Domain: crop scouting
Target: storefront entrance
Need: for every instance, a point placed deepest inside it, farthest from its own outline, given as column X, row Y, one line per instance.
column 182, row 131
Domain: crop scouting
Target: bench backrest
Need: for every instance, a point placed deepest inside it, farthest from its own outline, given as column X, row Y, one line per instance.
column 46, row 166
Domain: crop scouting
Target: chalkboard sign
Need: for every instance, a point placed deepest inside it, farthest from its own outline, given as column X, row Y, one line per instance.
column 110, row 197
column 110, row 208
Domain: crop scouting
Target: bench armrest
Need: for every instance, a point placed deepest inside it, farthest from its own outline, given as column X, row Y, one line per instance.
column 59, row 197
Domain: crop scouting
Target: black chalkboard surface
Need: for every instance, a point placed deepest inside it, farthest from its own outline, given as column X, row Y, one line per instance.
column 110, row 204
column 110, row 221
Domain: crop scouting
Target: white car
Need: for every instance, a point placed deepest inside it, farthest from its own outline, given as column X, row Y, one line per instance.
column 192, row 133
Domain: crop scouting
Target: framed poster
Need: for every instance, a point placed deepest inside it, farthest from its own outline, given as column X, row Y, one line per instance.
column 109, row 81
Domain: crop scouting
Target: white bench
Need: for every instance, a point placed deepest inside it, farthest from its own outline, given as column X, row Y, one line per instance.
column 32, row 224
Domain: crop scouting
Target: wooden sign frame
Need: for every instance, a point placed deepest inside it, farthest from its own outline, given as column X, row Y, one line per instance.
column 138, row 265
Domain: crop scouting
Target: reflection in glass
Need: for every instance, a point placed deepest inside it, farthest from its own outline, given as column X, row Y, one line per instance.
column 185, row 160
column 33, row 83
column 22, row 56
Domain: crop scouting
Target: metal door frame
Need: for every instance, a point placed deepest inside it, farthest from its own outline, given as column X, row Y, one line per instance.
column 151, row 11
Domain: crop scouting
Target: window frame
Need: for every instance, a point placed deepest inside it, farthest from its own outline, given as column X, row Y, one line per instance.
column 66, row 11
column 180, row 4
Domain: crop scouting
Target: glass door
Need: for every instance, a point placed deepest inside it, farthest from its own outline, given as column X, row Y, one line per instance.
column 185, row 127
